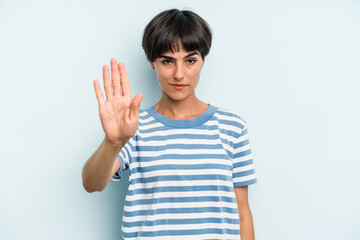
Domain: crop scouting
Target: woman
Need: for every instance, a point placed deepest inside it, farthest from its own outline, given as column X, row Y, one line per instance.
column 190, row 162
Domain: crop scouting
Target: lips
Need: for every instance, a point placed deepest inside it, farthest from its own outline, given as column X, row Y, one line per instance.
column 178, row 86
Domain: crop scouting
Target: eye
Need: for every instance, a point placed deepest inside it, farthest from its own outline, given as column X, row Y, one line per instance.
column 166, row 62
column 191, row 61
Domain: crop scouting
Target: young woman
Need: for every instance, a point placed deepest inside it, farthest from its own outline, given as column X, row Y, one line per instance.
column 190, row 162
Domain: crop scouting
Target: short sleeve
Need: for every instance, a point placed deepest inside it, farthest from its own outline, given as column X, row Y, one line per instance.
column 243, row 165
column 124, row 157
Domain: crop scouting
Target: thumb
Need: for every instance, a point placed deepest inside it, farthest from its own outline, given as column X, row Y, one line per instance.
column 135, row 105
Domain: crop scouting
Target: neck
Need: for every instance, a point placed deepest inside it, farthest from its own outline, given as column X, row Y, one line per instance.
column 184, row 109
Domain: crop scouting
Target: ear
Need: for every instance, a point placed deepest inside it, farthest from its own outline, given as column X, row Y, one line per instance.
column 152, row 65
column 203, row 63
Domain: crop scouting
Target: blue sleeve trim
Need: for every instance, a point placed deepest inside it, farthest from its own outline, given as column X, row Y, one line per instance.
column 118, row 175
column 241, row 184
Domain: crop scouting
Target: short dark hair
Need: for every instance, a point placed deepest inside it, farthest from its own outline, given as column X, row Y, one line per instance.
column 166, row 29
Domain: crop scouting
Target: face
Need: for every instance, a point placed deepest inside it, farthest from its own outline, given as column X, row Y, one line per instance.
column 178, row 73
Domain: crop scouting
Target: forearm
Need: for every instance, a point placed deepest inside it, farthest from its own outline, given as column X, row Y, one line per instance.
column 246, row 226
column 97, row 170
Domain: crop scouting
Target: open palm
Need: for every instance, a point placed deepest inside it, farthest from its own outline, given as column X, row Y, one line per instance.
column 119, row 114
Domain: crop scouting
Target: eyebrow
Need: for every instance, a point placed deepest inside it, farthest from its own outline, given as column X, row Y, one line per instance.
column 171, row 58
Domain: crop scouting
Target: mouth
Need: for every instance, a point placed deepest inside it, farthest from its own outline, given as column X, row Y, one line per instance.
column 178, row 86
column 175, row 84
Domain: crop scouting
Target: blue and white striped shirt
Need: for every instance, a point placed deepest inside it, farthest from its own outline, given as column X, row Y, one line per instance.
column 183, row 174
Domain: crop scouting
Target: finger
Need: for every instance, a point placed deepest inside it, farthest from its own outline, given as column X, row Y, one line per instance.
column 124, row 81
column 135, row 105
column 115, row 77
column 99, row 95
column 107, row 83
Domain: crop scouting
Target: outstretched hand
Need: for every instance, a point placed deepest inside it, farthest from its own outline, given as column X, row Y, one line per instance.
column 119, row 114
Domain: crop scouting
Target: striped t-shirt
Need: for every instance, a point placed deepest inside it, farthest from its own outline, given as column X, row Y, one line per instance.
column 183, row 174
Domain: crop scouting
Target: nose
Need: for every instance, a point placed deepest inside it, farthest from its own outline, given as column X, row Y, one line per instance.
column 179, row 73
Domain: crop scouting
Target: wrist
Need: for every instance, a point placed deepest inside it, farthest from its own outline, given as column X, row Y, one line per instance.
column 115, row 144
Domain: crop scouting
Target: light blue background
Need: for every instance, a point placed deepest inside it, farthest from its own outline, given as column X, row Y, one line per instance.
column 291, row 69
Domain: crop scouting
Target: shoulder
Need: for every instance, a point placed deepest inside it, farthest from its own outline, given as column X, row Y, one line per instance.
column 228, row 117
column 143, row 112
column 145, row 116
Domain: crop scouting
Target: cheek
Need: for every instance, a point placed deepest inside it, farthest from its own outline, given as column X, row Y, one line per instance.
column 195, row 75
column 162, row 74
column 195, row 83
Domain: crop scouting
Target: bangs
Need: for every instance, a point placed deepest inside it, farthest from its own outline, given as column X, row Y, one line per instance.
column 167, row 32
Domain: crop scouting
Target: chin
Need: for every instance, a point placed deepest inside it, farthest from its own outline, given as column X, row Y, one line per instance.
column 177, row 97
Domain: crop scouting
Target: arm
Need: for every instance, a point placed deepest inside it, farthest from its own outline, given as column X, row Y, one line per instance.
column 245, row 217
column 101, row 166
column 119, row 116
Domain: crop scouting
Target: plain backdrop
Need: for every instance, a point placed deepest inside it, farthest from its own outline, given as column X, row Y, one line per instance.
column 291, row 69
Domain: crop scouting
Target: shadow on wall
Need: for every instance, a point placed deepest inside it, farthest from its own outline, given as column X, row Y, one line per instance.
column 116, row 192
column 143, row 80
